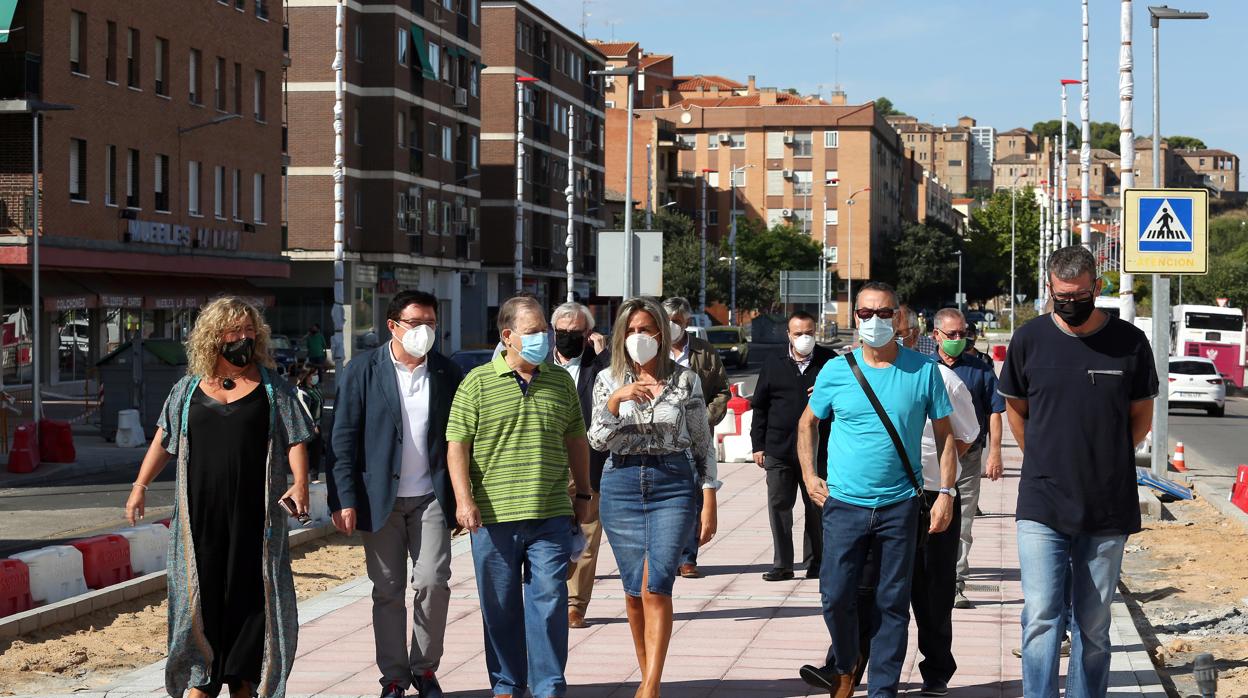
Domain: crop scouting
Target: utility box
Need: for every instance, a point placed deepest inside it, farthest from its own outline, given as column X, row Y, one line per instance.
column 163, row 363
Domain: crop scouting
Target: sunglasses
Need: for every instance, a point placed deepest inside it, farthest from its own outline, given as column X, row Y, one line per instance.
column 955, row 335
column 881, row 313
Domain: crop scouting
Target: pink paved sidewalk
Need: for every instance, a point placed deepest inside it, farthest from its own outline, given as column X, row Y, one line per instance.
column 735, row 635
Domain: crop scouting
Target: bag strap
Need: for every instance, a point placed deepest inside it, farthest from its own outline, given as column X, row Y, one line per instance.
column 888, row 423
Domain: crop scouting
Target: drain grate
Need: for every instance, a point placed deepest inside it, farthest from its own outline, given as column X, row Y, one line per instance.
column 983, row 587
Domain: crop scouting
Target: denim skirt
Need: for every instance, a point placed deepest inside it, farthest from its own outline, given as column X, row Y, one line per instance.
column 647, row 511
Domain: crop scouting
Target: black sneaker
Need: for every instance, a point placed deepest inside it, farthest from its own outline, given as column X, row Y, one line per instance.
column 777, row 575
column 934, row 689
column 394, row 690
column 427, row 686
column 812, row 571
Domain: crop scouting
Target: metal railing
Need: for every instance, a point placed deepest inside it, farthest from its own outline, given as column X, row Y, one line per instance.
column 20, row 75
column 15, row 213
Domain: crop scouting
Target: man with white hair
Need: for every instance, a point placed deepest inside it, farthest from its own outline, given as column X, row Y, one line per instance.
column 575, row 353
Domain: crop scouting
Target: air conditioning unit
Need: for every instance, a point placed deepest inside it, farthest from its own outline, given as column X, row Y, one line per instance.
column 786, row 213
column 468, row 278
column 608, row 80
column 461, row 96
column 587, row 145
column 724, row 138
column 788, row 139
column 787, row 174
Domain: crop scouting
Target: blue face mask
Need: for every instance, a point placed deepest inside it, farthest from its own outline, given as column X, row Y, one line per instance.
column 534, row 348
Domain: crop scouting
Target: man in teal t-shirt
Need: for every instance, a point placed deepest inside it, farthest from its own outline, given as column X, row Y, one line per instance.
column 868, row 500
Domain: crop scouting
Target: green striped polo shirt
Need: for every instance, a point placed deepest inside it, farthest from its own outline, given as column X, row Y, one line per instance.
column 519, row 468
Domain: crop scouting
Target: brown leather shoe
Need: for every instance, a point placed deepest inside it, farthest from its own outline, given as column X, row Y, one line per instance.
column 837, row 685
column 690, row 572
column 576, row 619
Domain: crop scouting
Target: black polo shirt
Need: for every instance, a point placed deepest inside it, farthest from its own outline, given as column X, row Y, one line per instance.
column 1079, row 463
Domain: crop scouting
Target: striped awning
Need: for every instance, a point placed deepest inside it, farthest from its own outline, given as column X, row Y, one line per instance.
column 7, row 8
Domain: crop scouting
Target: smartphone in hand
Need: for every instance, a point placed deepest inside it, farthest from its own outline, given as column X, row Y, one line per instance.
column 288, row 504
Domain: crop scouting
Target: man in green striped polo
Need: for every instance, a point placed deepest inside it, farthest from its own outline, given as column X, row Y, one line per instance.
column 515, row 430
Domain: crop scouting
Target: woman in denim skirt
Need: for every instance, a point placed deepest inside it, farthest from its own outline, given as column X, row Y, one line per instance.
column 650, row 415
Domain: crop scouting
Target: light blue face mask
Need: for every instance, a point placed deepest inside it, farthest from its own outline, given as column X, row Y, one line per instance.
column 876, row 332
column 534, row 348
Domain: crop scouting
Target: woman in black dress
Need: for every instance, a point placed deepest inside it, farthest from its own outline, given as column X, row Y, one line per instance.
column 233, row 431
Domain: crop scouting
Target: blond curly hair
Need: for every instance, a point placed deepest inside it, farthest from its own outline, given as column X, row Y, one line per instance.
column 222, row 315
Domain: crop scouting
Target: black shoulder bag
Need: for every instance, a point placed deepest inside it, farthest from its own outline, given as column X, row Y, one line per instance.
column 925, row 513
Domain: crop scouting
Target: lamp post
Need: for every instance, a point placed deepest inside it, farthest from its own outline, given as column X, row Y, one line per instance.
column 1044, row 228
column 1161, row 283
column 1013, row 265
column 1065, row 198
column 339, row 312
column 36, row 310
column 702, row 225
column 958, row 254
column 1126, row 142
column 1085, row 145
column 518, row 256
column 732, row 240
column 627, row 72
column 849, row 278
column 570, row 242
column 823, row 259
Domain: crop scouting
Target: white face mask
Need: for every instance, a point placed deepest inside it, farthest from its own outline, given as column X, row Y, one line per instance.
column 677, row 332
column 875, row 332
column 418, row 341
column 314, row 380
column 641, row 347
column 804, row 344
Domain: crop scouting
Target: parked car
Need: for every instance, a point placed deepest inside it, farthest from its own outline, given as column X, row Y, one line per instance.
column 731, row 343
column 1196, row 383
column 469, row 359
column 283, row 350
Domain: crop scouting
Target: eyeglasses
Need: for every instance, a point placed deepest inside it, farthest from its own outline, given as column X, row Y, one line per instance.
column 955, row 334
column 1076, row 297
column 881, row 313
column 414, row 323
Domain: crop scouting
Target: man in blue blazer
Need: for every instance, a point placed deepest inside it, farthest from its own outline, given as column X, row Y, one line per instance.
column 390, row 481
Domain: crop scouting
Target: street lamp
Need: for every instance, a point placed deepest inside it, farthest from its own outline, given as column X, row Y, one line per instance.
column 823, row 259
column 518, row 255
column 702, row 226
column 958, row 254
column 1065, row 198
column 1013, row 266
column 627, row 72
column 732, row 240
column 1161, row 284
column 849, row 277
column 36, row 310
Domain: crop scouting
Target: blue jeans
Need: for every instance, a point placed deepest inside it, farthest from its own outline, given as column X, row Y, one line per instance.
column 647, row 510
column 890, row 534
column 1051, row 562
column 522, row 572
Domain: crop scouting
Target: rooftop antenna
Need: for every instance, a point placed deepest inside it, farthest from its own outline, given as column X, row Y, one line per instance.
column 836, row 62
column 585, row 15
column 611, row 23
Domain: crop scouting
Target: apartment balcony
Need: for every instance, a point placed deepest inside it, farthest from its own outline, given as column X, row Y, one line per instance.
column 416, row 165
column 589, row 264
column 20, row 75
column 463, row 247
column 685, row 178
column 539, row 258
column 416, row 243
column 15, row 213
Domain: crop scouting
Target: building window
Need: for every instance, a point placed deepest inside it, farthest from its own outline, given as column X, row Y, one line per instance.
column 218, row 84
column 610, row 104
column 958, row 163
column 831, row 139
column 161, row 183
column 402, row 46
column 474, row 78
column 236, row 195
column 132, row 57
column 803, row 182
column 77, row 169
column 357, row 213
column 712, row 217
column 736, row 141
column 160, row 66
column 803, row 145
column 431, row 217
column 831, row 217
column 110, row 175
column 110, row 60
column 401, row 129
column 831, row 178
column 712, row 141
column 218, row 192
column 712, row 179
column 775, row 183
column 257, row 198
column 447, row 144
column 474, row 146
column 402, row 211
column 194, row 82
column 258, row 96
column 738, row 178
column 192, row 188
column 262, row 9
column 132, row 179
column 435, row 58
column 77, row 42
column 474, row 11
column 238, row 88
column 356, row 136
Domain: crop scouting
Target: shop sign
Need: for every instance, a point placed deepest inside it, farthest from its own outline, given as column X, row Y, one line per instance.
column 366, row 274
column 154, row 233
column 120, row 301
column 72, row 303
column 407, row 277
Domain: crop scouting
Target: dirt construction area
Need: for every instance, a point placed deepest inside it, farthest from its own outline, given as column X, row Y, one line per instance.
column 1189, row 579
column 93, row 651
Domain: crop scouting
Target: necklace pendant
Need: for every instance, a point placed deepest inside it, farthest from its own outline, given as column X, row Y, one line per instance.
column 227, row 383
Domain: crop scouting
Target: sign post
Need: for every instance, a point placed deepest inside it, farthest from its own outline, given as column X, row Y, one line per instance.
column 1164, row 231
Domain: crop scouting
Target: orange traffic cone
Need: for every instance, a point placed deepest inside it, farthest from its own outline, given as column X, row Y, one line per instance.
column 1179, row 462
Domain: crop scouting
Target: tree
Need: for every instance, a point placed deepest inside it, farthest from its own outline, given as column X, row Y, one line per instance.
column 1105, row 135
column 1228, row 265
column 1053, row 127
column 986, row 266
column 1185, row 142
column 682, row 269
column 926, row 264
column 884, row 105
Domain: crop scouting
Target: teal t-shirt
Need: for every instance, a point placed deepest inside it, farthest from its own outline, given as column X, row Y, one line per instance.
column 863, row 466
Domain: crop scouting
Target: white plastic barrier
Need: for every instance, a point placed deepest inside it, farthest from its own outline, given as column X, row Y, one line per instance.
column 318, row 503
column 727, row 426
column 149, row 546
column 129, row 430
column 739, row 448
column 741, row 389
column 55, row 573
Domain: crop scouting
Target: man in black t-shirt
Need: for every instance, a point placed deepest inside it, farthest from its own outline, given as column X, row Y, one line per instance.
column 1079, row 386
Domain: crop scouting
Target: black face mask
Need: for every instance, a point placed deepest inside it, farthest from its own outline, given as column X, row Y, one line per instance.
column 239, row 351
column 570, row 343
column 1074, row 313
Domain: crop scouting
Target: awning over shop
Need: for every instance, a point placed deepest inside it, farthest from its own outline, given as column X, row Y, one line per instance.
column 62, row 291
column 7, row 8
column 422, row 50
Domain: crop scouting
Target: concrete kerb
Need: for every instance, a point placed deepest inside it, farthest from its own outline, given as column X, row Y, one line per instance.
column 92, row 460
column 44, row 616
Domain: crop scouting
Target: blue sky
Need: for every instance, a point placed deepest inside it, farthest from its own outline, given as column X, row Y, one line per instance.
column 996, row 60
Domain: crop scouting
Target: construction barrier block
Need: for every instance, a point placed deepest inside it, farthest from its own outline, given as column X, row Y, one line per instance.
column 14, row 587
column 55, row 573
column 727, row 426
column 998, row 352
column 318, row 502
column 739, row 448
column 129, row 430
column 23, row 457
column 149, row 547
column 165, row 522
column 105, row 560
column 1239, row 491
column 56, row 442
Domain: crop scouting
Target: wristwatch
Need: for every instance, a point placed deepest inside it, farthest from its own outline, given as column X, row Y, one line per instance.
column 585, row 497
column 951, row 491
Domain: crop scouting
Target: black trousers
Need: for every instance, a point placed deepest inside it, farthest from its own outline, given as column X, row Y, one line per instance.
column 784, row 482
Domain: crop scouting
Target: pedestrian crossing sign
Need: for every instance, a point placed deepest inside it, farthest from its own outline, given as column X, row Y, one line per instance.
column 1164, row 231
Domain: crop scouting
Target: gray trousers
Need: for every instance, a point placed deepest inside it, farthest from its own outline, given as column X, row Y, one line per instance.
column 417, row 528
column 970, row 475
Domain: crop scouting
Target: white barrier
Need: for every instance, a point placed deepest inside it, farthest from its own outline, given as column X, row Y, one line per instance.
column 55, row 573
column 738, row 448
column 727, row 426
column 129, row 430
column 149, row 547
column 318, row 503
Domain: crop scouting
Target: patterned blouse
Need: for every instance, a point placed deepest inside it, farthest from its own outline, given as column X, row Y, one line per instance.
column 674, row 421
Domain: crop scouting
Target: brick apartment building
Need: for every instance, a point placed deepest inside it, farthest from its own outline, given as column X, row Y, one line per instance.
column 412, row 148
column 1213, row 169
column 948, row 151
column 522, row 42
column 158, row 191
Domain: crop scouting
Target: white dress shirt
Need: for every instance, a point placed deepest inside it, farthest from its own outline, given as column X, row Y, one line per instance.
column 682, row 359
column 414, row 479
column 573, row 367
column 963, row 420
